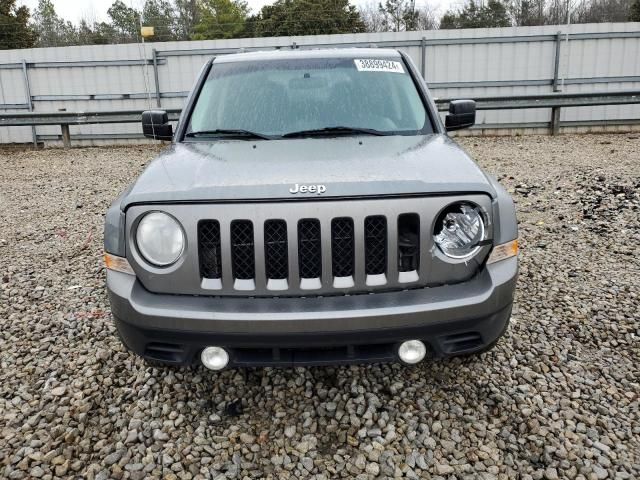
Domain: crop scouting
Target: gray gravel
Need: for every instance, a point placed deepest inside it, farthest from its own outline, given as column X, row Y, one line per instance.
column 557, row 398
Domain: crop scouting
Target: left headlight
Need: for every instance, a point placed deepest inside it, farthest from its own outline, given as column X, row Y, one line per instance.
column 160, row 239
column 459, row 230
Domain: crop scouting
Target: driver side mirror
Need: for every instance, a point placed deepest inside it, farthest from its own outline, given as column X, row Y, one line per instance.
column 462, row 114
column 155, row 124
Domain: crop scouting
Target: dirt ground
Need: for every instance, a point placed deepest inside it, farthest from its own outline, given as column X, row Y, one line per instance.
column 557, row 398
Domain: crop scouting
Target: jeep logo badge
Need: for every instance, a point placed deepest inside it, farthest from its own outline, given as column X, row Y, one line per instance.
column 319, row 189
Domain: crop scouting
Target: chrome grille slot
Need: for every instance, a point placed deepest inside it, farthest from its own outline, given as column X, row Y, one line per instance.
column 309, row 252
column 408, row 242
column 209, row 247
column 342, row 253
column 375, row 250
column 276, row 250
column 242, row 250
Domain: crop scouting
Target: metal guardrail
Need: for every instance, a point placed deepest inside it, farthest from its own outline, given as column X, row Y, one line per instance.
column 551, row 100
column 159, row 58
column 555, row 101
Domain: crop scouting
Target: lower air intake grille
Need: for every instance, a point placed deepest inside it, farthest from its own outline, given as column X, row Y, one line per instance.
column 209, row 246
column 309, row 248
column 342, row 247
column 375, row 245
column 275, row 249
column 242, row 250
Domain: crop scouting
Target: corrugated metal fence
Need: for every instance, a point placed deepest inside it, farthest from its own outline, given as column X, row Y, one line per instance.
column 456, row 63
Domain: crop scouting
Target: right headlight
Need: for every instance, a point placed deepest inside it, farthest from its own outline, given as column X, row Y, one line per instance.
column 160, row 239
column 459, row 230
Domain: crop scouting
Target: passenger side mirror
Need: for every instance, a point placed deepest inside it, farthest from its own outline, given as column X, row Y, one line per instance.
column 155, row 124
column 462, row 114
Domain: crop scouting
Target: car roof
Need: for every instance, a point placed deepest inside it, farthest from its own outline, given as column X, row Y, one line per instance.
column 288, row 54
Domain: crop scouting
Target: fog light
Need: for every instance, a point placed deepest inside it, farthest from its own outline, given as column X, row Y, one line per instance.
column 214, row 358
column 412, row 351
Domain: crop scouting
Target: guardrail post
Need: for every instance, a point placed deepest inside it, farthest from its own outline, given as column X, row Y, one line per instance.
column 27, row 87
column 423, row 63
column 555, row 111
column 66, row 134
column 555, row 120
column 155, row 76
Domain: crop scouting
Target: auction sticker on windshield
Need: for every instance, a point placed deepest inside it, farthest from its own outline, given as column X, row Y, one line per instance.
column 376, row 65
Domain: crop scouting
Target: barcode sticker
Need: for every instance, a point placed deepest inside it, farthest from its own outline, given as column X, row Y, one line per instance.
column 376, row 65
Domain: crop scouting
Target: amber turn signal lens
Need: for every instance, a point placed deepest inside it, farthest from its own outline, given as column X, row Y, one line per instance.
column 504, row 251
column 118, row 264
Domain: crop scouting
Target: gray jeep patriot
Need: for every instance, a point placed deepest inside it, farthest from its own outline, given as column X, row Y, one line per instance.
column 310, row 210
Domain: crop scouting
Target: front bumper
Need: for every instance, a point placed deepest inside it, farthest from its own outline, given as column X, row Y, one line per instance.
column 452, row 320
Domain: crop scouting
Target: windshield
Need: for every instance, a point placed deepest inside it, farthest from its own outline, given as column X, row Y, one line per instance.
column 336, row 95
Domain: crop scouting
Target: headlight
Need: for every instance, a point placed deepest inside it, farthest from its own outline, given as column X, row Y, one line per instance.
column 160, row 239
column 459, row 230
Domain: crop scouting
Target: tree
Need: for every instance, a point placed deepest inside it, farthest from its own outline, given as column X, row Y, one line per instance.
column 125, row 21
column 426, row 18
column 185, row 18
column 220, row 19
column 96, row 33
column 595, row 11
column 527, row 12
column 306, row 17
column 634, row 14
column 159, row 15
column 372, row 17
column 15, row 31
column 493, row 14
column 418, row 18
column 398, row 15
column 52, row 30
column 556, row 12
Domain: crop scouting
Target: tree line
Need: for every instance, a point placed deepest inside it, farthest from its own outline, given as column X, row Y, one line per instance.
column 219, row 19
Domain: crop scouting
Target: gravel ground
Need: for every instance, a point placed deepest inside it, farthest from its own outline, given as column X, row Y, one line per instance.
column 557, row 398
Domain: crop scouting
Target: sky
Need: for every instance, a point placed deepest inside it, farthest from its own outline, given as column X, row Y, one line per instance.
column 75, row 10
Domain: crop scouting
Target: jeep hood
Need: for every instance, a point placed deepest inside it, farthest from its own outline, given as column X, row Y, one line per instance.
column 241, row 170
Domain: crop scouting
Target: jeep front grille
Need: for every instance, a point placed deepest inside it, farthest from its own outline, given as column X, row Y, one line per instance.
column 309, row 255
column 305, row 248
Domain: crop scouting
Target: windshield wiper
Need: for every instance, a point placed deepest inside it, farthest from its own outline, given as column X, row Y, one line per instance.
column 330, row 130
column 237, row 132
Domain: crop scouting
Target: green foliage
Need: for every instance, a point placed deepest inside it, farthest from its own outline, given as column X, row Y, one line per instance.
column 52, row 30
column 159, row 14
column 125, row 20
column 305, row 17
column 212, row 19
column 220, row 19
column 15, row 31
column 97, row 34
column 398, row 15
column 185, row 18
column 493, row 14
column 527, row 12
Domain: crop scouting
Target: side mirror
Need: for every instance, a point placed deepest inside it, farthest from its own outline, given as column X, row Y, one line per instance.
column 462, row 114
column 155, row 124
